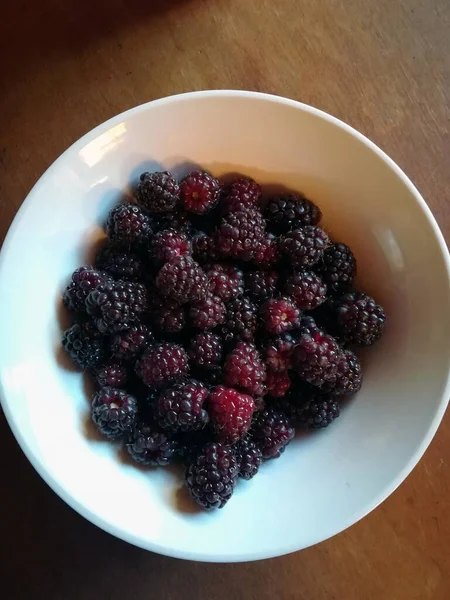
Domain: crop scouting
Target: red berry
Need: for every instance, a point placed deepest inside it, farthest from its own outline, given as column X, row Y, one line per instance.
column 182, row 279
column 278, row 352
column 230, row 413
column 225, row 281
column 267, row 252
column 162, row 364
column 244, row 369
column 280, row 315
column 316, row 358
column 240, row 233
column 207, row 312
column 307, row 289
column 168, row 244
column 278, row 383
column 199, row 192
column 241, row 193
column 205, row 349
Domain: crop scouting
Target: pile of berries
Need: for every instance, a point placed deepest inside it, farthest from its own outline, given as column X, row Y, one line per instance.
column 214, row 321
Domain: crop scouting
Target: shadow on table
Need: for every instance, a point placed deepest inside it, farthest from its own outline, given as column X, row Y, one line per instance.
column 32, row 31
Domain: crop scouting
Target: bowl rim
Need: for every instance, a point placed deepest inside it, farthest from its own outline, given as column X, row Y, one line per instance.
column 117, row 531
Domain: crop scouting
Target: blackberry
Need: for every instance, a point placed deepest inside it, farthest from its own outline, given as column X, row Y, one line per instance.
column 177, row 220
column 272, row 432
column 167, row 315
column 84, row 280
column 84, row 344
column 182, row 279
column 291, row 211
column 360, row 320
column 280, row 315
column 308, row 326
column 337, row 268
column 205, row 349
column 120, row 264
column 261, row 285
column 204, row 248
column 240, row 320
column 128, row 225
column 111, row 374
column 199, row 192
column 304, row 247
column 249, row 457
column 245, row 370
column 181, row 407
column 240, row 233
column 211, row 478
column 168, row 244
column 225, row 281
column 128, row 345
column 267, row 252
column 319, row 411
column 157, row 192
column 149, row 447
column 307, row 289
column 161, row 364
column 241, row 193
column 117, row 305
column 278, row 352
column 349, row 376
column 113, row 412
column 316, row 358
column 207, row 312
column 294, row 402
column 230, row 413
column 277, row 383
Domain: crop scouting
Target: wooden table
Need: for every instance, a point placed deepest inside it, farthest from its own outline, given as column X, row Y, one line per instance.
column 383, row 67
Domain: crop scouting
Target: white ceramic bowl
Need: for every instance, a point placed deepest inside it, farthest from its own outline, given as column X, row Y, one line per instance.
column 324, row 482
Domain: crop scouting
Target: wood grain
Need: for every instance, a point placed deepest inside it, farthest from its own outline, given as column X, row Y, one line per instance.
column 384, row 68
